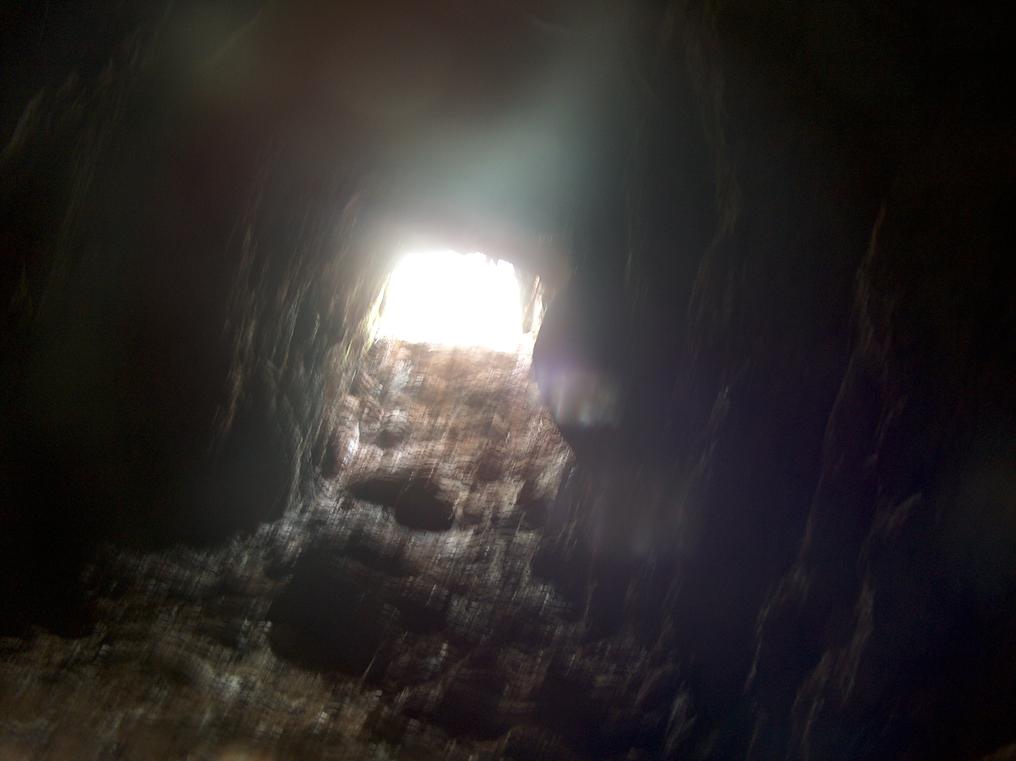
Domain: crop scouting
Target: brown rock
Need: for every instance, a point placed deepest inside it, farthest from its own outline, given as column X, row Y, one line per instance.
column 394, row 429
column 492, row 464
column 421, row 501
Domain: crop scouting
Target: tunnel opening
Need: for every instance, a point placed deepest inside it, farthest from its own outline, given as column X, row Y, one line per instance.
column 446, row 469
column 444, row 298
column 444, row 410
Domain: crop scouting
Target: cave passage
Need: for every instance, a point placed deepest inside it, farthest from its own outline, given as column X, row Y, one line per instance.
column 507, row 381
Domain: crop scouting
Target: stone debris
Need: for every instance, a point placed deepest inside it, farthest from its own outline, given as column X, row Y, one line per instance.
column 402, row 608
column 420, row 499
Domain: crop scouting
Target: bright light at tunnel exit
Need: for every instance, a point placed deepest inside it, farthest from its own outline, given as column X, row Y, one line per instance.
column 444, row 297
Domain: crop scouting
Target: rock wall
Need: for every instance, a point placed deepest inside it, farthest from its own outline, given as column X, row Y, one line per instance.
column 186, row 294
column 892, row 611
column 779, row 235
column 763, row 397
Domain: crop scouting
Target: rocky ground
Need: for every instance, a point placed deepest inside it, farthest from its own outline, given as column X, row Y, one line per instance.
column 400, row 614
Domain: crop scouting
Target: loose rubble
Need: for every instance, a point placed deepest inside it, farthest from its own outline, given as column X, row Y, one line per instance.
column 405, row 612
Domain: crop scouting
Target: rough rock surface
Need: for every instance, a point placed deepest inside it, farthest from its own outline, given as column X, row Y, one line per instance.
column 778, row 239
column 343, row 630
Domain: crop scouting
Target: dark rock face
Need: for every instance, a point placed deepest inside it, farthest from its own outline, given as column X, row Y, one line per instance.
column 168, row 348
column 780, row 347
column 533, row 744
column 917, row 433
column 803, row 399
column 419, row 500
column 326, row 619
column 394, row 429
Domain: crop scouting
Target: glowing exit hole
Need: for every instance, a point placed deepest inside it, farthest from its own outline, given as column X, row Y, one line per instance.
column 447, row 298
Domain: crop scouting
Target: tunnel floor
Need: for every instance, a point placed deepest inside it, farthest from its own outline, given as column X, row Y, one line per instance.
column 398, row 615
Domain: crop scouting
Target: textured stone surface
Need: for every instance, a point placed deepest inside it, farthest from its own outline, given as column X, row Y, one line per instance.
column 775, row 240
column 419, row 499
column 421, row 636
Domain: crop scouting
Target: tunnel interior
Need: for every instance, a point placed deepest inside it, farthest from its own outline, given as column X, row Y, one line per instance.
column 712, row 459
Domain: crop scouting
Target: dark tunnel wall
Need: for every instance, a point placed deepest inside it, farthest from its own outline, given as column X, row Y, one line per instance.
column 781, row 228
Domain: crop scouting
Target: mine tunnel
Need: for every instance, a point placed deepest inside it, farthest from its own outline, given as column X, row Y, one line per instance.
column 507, row 380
